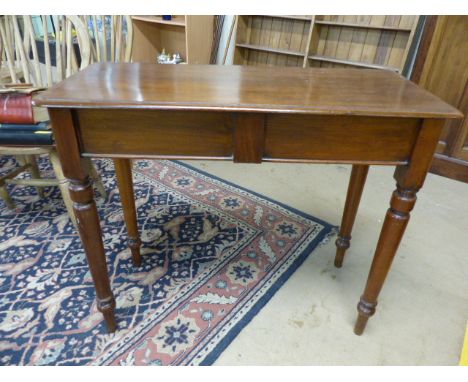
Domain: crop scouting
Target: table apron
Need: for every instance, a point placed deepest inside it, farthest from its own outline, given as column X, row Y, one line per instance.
column 245, row 137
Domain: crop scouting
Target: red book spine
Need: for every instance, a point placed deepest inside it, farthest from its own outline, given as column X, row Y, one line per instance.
column 16, row 108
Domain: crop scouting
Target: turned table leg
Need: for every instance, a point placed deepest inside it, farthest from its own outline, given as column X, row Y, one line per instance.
column 353, row 197
column 394, row 226
column 409, row 179
column 81, row 193
column 123, row 171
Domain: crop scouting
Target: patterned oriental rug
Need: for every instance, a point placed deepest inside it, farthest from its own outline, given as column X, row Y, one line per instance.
column 213, row 255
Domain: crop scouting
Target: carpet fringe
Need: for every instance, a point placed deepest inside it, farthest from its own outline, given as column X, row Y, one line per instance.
column 326, row 239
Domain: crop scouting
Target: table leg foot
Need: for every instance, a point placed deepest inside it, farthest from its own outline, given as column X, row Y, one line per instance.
column 107, row 307
column 134, row 244
column 365, row 311
column 342, row 244
column 353, row 197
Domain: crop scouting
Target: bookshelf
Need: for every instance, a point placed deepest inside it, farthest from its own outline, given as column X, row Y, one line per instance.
column 378, row 42
column 190, row 36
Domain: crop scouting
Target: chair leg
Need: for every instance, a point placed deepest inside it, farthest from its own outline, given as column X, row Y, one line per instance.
column 34, row 171
column 3, row 185
column 5, row 195
column 96, row 178
column 21, row 159
column 63, row 185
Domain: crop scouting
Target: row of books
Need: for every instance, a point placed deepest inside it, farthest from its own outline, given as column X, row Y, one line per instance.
column 32, row 134
column 21, row 123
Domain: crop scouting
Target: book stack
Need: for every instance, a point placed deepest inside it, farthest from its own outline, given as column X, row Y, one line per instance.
column 21, row 123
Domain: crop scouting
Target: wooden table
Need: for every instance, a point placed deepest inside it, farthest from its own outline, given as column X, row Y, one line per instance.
column 248, row 115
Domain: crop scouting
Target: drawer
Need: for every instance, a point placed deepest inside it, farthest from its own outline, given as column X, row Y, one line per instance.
column 339, row 138
column 114, row 132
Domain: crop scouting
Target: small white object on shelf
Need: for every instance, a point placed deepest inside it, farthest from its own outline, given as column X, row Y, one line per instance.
column 164, row 58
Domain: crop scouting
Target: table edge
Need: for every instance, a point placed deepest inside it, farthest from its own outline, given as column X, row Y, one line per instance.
column 70, row 104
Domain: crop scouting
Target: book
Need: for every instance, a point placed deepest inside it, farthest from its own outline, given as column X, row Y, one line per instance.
column 19, row 88
column 26, row 138
column 16, row 107
column 42, row 126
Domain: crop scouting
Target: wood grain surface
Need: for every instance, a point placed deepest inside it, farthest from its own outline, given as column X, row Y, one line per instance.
column 246, row 89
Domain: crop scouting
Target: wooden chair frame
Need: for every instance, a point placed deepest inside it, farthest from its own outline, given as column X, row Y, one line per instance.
column 19, row 53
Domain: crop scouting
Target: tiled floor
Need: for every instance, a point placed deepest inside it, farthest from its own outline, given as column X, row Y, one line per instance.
column 423, row 307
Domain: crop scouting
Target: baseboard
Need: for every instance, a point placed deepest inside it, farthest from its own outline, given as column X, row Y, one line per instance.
column 450, row 167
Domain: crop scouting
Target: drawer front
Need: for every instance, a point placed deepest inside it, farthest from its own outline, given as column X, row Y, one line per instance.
column 339, row 138
column 278, row 137
column 155, row 133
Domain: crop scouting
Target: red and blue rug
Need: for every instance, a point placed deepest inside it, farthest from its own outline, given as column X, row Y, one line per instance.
column 213, row 255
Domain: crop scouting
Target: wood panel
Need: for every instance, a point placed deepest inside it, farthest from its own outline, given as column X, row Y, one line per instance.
column 190, row 134
column 445, row 73
column 211, row 134
column 249, row 137
column 450, row 167
column 427, row 35
column 199, row 37
column 324, row 137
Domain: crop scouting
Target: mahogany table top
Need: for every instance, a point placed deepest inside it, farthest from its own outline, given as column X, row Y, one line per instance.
column 364, row 92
